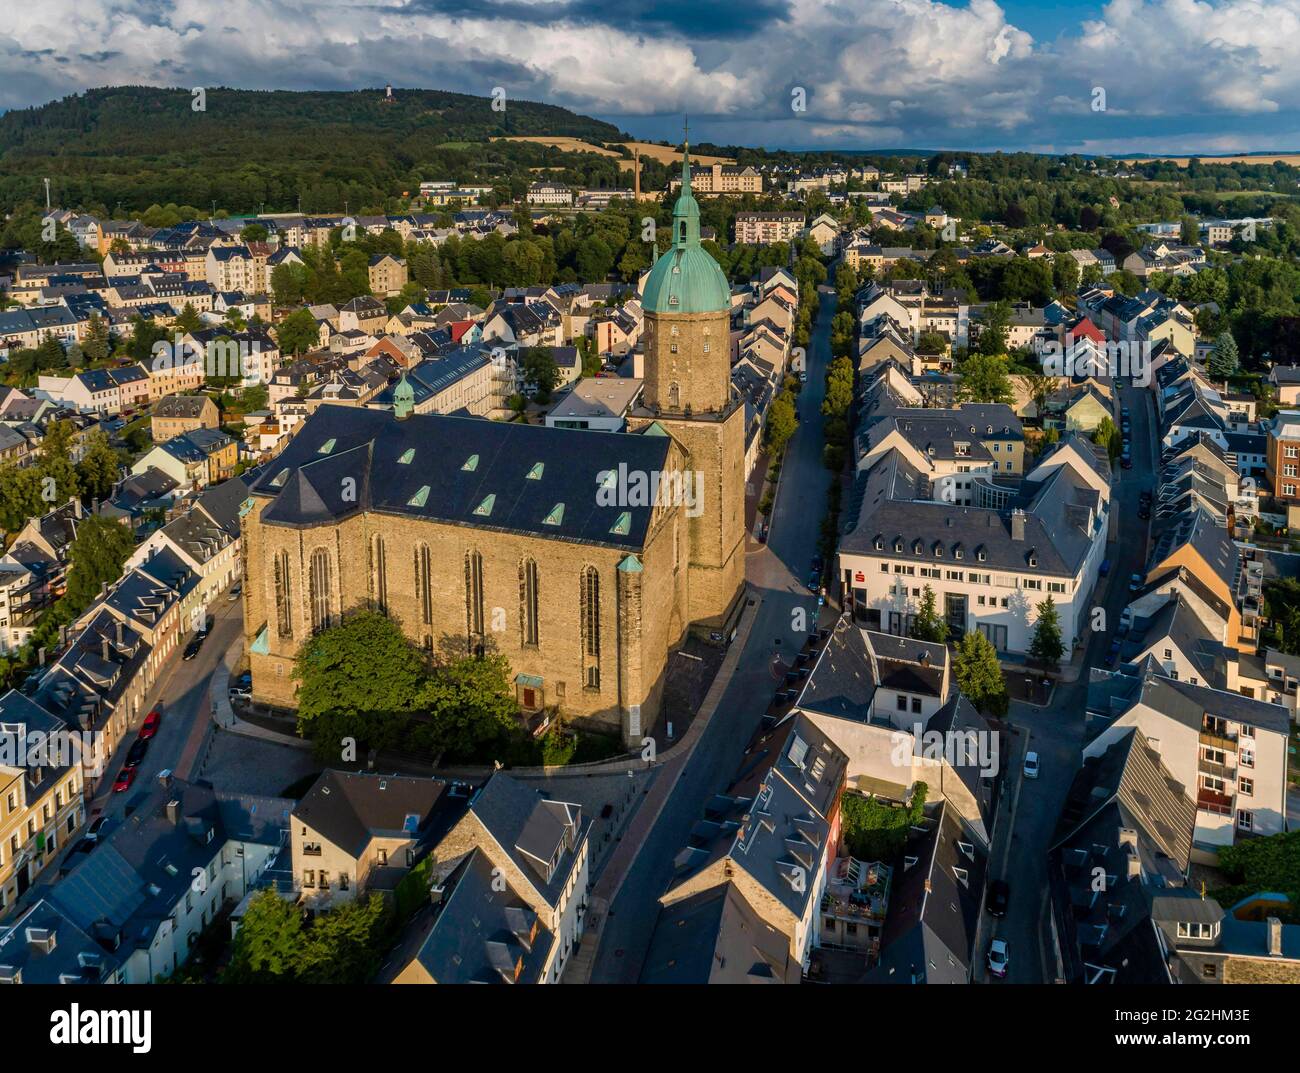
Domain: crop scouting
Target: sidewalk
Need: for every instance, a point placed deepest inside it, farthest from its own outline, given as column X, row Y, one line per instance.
column 223, row 712
column 673, row 763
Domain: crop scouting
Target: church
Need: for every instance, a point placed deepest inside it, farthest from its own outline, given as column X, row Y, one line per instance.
column 538, row 543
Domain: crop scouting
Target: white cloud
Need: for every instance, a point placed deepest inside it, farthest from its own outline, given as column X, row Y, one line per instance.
column 914, row 72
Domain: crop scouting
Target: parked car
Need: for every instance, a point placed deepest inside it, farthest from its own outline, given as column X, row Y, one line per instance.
column 96, row 825
column 999, row 957
column 196, row 642
column 1113, row 653
column 1031, row 765
column 1126, row 462
column 999, row 896
column 124, row 780
column 1126, row 619
column 235, row 591
column 135, row 754
column 1104, row 571
column 245, row 680
column 150, row 725
column 1135, row 583
column 236, row 693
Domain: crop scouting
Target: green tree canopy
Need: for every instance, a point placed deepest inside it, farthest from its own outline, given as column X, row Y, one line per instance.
column 979, row 675
column 1046, row 646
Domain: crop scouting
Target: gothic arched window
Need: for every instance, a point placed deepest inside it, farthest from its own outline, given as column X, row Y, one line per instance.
column 321, row 581
column 528, row 602
column 474, row 599
column 424, row 582
column 283, row 597
column 379, row 574
column 589, row 585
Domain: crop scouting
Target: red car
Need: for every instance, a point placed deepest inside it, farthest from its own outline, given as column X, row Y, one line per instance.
column 150, row 725
column 124, row 780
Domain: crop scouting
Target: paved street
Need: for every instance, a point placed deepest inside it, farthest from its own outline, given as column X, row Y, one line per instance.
column 182, row 693
column 1056, row 732
column 776, row 571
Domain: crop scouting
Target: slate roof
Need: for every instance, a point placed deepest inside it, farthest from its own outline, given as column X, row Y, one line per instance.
column 717, row 937
column 351, row 808
column 933, row 913
column 461, row 461
column 144, row 867
column 477, row 934
column 530, row 829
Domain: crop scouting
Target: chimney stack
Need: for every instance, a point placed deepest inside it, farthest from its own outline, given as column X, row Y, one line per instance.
column 174, row 811
column 1017, row 525
column 1274, row 937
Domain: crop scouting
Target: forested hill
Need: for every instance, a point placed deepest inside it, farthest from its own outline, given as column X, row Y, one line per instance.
column 142, row 146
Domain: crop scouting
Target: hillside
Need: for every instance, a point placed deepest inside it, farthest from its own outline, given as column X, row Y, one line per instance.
column 141, row 146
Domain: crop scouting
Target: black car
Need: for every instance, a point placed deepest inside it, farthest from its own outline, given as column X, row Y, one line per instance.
column 999, row 896
column 135, row 754
column 196, row 642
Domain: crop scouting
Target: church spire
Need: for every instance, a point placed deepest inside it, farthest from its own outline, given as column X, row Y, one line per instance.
column 686, row 155
column 686, row 213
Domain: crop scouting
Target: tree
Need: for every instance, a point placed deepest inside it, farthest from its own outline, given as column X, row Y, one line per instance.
column 20, row 496
column 928, row 625
column 298, row 332
column 979, row 675
column 340, row 694
column 471, row 705
column 276, row 944
column 58, row 474
column 97, row 344
column 188, row 320
column 253, row 232
column 97, row 554
column 1224, row 359
column 993, row 329
column 268, row 944
column 1038, row 386
column 781, row 424
column 1047, row 646
column 984, row 378
column 1108, row 436
column 99, row 467
column 540, row 370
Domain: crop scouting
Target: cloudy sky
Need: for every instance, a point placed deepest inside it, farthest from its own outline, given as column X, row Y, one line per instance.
column 1214, row 76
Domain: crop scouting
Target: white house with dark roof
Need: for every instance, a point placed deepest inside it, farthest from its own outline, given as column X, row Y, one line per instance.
column 1228, row 751
column 989, row 561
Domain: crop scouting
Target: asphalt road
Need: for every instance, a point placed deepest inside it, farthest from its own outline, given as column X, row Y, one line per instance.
column 777, row 571
column 182, row 693
column 1056, row 732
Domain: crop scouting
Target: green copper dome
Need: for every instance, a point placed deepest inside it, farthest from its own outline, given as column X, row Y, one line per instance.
column 686, row 279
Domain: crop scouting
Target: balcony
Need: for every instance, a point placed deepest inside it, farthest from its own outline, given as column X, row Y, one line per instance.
column 1210, row 801
column 1228, row 743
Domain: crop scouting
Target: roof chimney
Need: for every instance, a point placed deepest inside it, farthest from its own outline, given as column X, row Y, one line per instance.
column 1274, row 925
column 174, row 811
column 1017, row 525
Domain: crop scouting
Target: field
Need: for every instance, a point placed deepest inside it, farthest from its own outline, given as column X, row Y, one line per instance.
column 1249, row 158
column 662, row 153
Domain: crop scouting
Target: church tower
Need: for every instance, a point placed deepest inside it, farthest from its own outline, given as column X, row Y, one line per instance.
column 687, row 304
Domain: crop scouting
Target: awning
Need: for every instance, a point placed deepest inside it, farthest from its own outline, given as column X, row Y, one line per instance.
column 528, row 680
